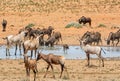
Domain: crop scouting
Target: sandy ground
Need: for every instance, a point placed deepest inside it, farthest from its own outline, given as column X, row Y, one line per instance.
column 13, row 70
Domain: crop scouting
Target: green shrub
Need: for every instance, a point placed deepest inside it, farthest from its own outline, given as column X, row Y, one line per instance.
column 73, row 24
column 30, row 25
column 101, row 25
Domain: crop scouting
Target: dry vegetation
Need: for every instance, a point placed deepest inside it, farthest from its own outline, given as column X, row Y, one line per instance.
column 105, row 16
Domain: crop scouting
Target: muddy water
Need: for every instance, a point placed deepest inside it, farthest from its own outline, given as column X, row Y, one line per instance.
column 74, row 52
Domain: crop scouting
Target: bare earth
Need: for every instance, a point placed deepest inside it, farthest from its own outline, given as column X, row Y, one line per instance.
column 13, row 70
column 58, row 13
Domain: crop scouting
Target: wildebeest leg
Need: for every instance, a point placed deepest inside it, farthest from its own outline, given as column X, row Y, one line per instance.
column 113, row 42
column 90, row 23
column 117, row 42
column 34, row 74
column 46, row 71
column 52, row 70
column 62, row 68
column 88, row 59
column 20, row 49
column 15, row 49
column 100, row 41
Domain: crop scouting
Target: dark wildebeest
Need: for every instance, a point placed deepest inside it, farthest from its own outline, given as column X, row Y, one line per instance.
column 92, row 37
column 112, row 37
column 4, row 24
column 48, row 31
column 65, row 47
column 57, row 36
column 50, row 41
column 85, row 20
column 54, row 38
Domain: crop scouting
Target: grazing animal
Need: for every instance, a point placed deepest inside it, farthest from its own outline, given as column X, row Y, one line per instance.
column 48, row 31
column 31, row 44
column 50, row 41
column 85, row 20
column 65, row 47
column 52, row 59
column 4, row 24
column 92, row 37
column 16, row 40
column 112, row 37
column 91, row 50
column 30, row 64
column 57, row 36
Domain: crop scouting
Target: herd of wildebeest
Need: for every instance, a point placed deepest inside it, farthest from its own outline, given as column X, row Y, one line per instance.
column 30, row 39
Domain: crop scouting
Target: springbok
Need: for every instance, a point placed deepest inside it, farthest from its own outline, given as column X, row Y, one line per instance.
column 52, row 59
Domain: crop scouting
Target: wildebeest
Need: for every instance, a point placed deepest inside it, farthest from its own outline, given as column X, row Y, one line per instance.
column 50, row 41
column 48, row 30
column 92, row 37
column 54, row 38
column 57, row 36
column 112, row 37
column 91, row 50
column 65, row 47
column 4, row 24
column 85, row 20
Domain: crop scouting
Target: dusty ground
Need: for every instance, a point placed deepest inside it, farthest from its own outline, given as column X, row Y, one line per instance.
column 58, row 13
column 13, row 70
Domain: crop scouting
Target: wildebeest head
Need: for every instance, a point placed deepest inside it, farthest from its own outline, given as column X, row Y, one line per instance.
column 82, row 19
column 86, row 34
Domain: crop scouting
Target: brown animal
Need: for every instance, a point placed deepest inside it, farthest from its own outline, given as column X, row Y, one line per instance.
column 57, row 36
column 52, row 59
column 65, row 47
column 48, row 30
column 31, row 44
column 30, row 64
column 4, row 24
column 85, row 20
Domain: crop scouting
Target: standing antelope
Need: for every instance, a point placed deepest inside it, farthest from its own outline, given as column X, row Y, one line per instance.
column 30, row 64
column 52, row 59
column 16, row 40
column 91, row 50
column 31, row 44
